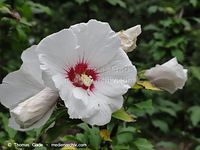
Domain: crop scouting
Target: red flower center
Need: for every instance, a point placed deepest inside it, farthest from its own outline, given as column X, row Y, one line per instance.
column 82, row 76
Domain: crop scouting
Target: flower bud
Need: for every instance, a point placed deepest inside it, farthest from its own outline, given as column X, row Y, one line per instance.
column 33, row 109
column 169, row 76
column 129, row 37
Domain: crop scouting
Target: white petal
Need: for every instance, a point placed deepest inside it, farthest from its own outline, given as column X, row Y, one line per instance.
column 47, row 79
column 80, row 104
column 102, row 117
column 185, row 73
column 172, row 62
column 98, row 42
column 111, row 87
column 78, row 109
column 116, row 103
column 75, row 99
column 80, row 94
column 165, row 84
column 38, row 124
column 31, row 64
column 29, row 55
column 160, row 72
column 58, row 51
column 178, row 70
column 17, row 87
column 116, row 77
column 64, row 86
column 104, row 106
column 133, row 32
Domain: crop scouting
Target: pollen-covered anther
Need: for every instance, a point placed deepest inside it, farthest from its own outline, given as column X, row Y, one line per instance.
column 87, row 80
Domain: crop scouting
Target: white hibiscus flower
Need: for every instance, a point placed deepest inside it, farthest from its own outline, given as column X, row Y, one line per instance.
column 89, row 69
column 24, row 92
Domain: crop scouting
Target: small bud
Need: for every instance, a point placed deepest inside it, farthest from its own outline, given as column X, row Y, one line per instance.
column 169, row 76
column 129, row 37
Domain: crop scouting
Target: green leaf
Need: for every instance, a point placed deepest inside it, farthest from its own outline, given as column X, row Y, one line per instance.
column 11, row 132
column 167, row 145
column 142, row 108
column 94, row 8
column 80, row 2
column 121, row 147
column 26, row 11
column 125, row 138
column 170, row 10
column 146, row 84
column 21, row 33
column 5, row 10
column 56, row 114
column 138, row 112
column 25, row 22
column 159, row 54
column 81, row 137
column 196, row 19
column 197, row 147
column 158, row 36
column 178, row 54
column 122, row 115
column 152, row 9
column 169, row 104
column 94, row 138
column 146, row 105
column 167, row 22
column 194, row 2
column 162, row 125
column 169, row 111
column 84, row 126
column 39, row 8
column 187, row 25
column 194, row 115
column 2, row 137
column 1, row 1
column 168, row 107
column 115, row 2
column 173, row 43
column 196, row 72
column 143, row 144
column 92, row 134
column 127, row 130
column 67, row 138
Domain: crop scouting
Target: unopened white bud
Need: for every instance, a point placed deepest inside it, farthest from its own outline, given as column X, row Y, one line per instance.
column 34, row 108
column 169, row 76
column 129, row 37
